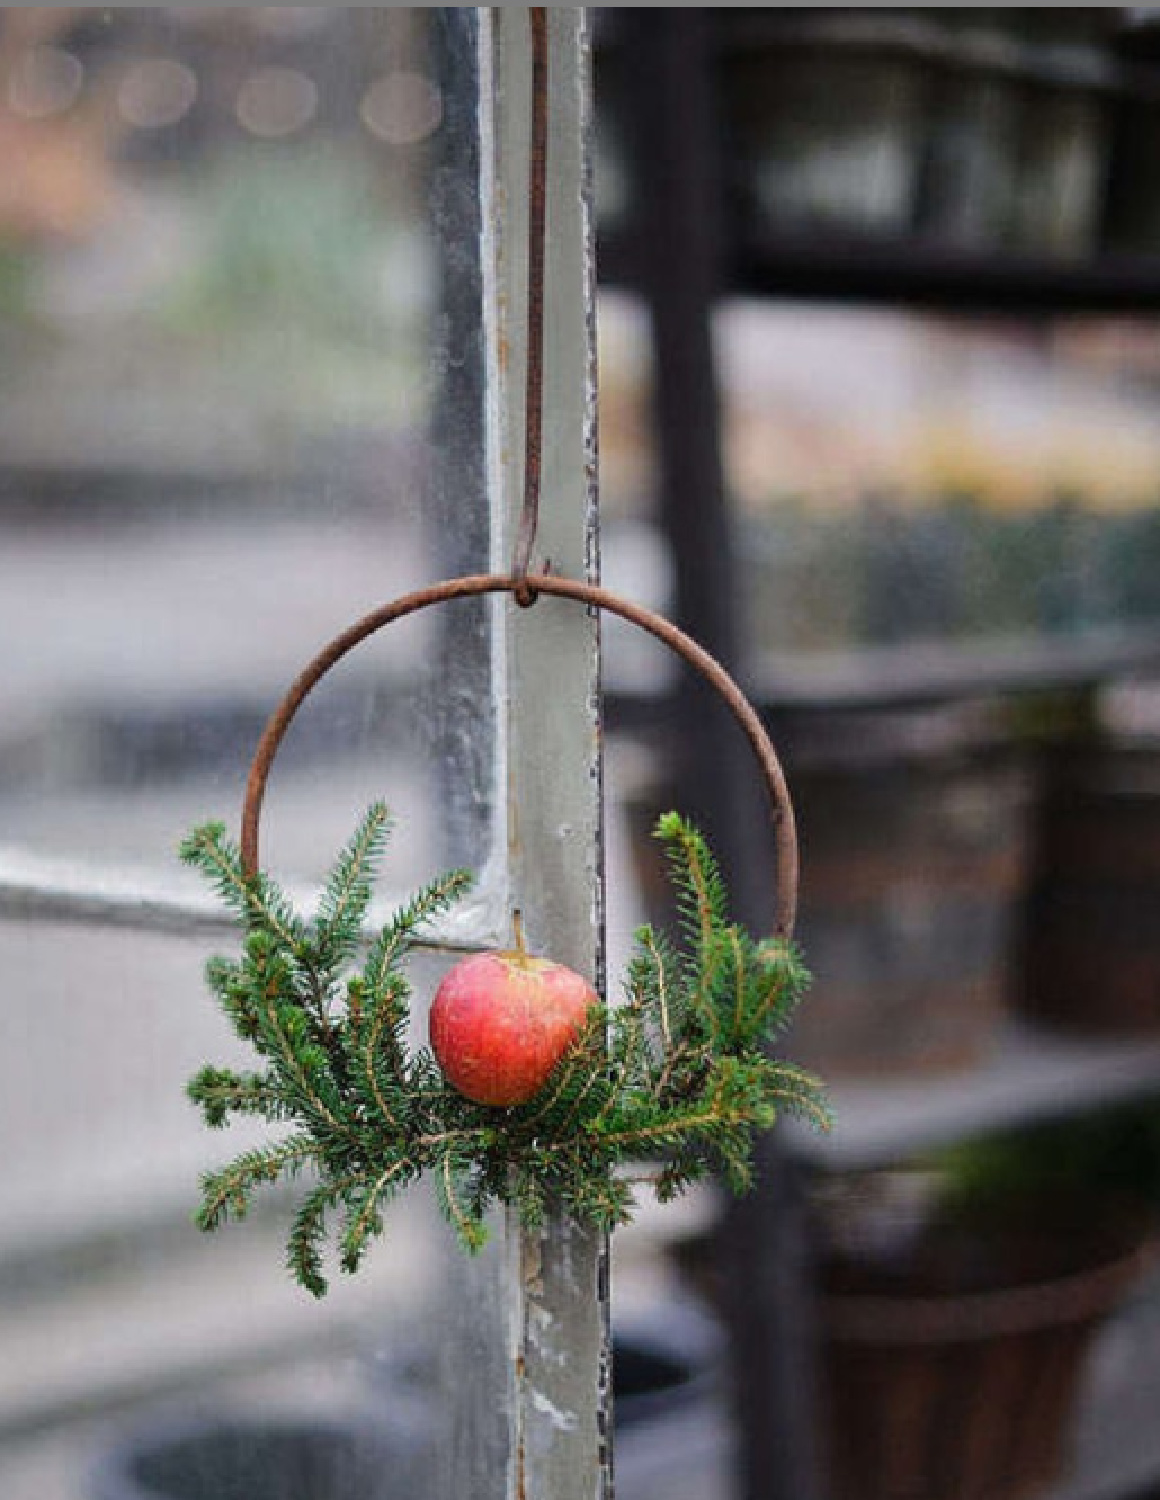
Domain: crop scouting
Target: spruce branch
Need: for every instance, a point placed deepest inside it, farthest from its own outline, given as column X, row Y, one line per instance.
column 226, row 1193
column 221, row 1092
column 378, row 1048
column 679, row 1072
column 253, row 898
column 794, row 1091
column 463, row 1209
column 227, row 983
column 304, row 1246
column 366, row 1202
column 347, row 894
column 399, row 935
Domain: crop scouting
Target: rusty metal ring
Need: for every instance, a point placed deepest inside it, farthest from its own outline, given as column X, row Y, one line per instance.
column 785, row 837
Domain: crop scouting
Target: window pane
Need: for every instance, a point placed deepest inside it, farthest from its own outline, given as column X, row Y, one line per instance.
column 130, row 1341
column 241, row 362
column 240, row 406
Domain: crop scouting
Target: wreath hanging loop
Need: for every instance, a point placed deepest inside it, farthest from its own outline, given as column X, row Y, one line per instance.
column 523, row 588
column 784, row 828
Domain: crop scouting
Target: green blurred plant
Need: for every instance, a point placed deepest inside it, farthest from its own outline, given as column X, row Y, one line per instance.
column 1111, row 1154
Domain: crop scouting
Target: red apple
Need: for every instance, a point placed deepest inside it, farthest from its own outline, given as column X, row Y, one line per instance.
column 500, row 1022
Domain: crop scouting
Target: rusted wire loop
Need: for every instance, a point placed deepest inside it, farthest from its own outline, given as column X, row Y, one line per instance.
column 525, row 594
column 785, row 836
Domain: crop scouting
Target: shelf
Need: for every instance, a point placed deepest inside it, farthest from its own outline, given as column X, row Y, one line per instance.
column 1075, row 65
column 1031, row 1077
column 940, row 276
column 912, row 676
column 938, row 672
column 915, row 275
column 1083, row 64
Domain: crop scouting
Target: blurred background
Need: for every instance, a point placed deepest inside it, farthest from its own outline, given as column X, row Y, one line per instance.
column 879, row 364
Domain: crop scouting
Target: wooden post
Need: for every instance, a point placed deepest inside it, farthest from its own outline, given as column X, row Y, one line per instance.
column 531, row 1417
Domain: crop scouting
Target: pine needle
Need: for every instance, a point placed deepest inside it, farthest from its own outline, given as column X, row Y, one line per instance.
column 680, row 1072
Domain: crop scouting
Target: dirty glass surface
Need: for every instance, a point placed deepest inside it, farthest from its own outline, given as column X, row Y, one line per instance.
column 235, row 413
column 240, row 404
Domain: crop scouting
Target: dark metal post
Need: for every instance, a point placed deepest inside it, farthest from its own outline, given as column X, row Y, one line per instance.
column 677, row 252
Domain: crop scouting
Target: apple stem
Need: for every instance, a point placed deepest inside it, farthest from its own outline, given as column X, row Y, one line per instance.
column 518, row 929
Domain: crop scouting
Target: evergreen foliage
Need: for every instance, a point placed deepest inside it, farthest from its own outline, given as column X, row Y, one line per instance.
column 679, row 1073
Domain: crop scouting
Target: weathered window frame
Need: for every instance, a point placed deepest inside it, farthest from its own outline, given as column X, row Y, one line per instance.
column 548, row 1321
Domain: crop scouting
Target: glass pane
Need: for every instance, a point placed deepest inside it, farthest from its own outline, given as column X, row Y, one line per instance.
column 241, row 355
column 239, row 406
column 138, row 1352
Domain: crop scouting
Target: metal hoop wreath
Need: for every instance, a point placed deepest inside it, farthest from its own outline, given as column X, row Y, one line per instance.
column 785, row 836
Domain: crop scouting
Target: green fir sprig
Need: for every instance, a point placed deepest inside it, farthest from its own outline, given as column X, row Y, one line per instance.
column 680, row 1073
